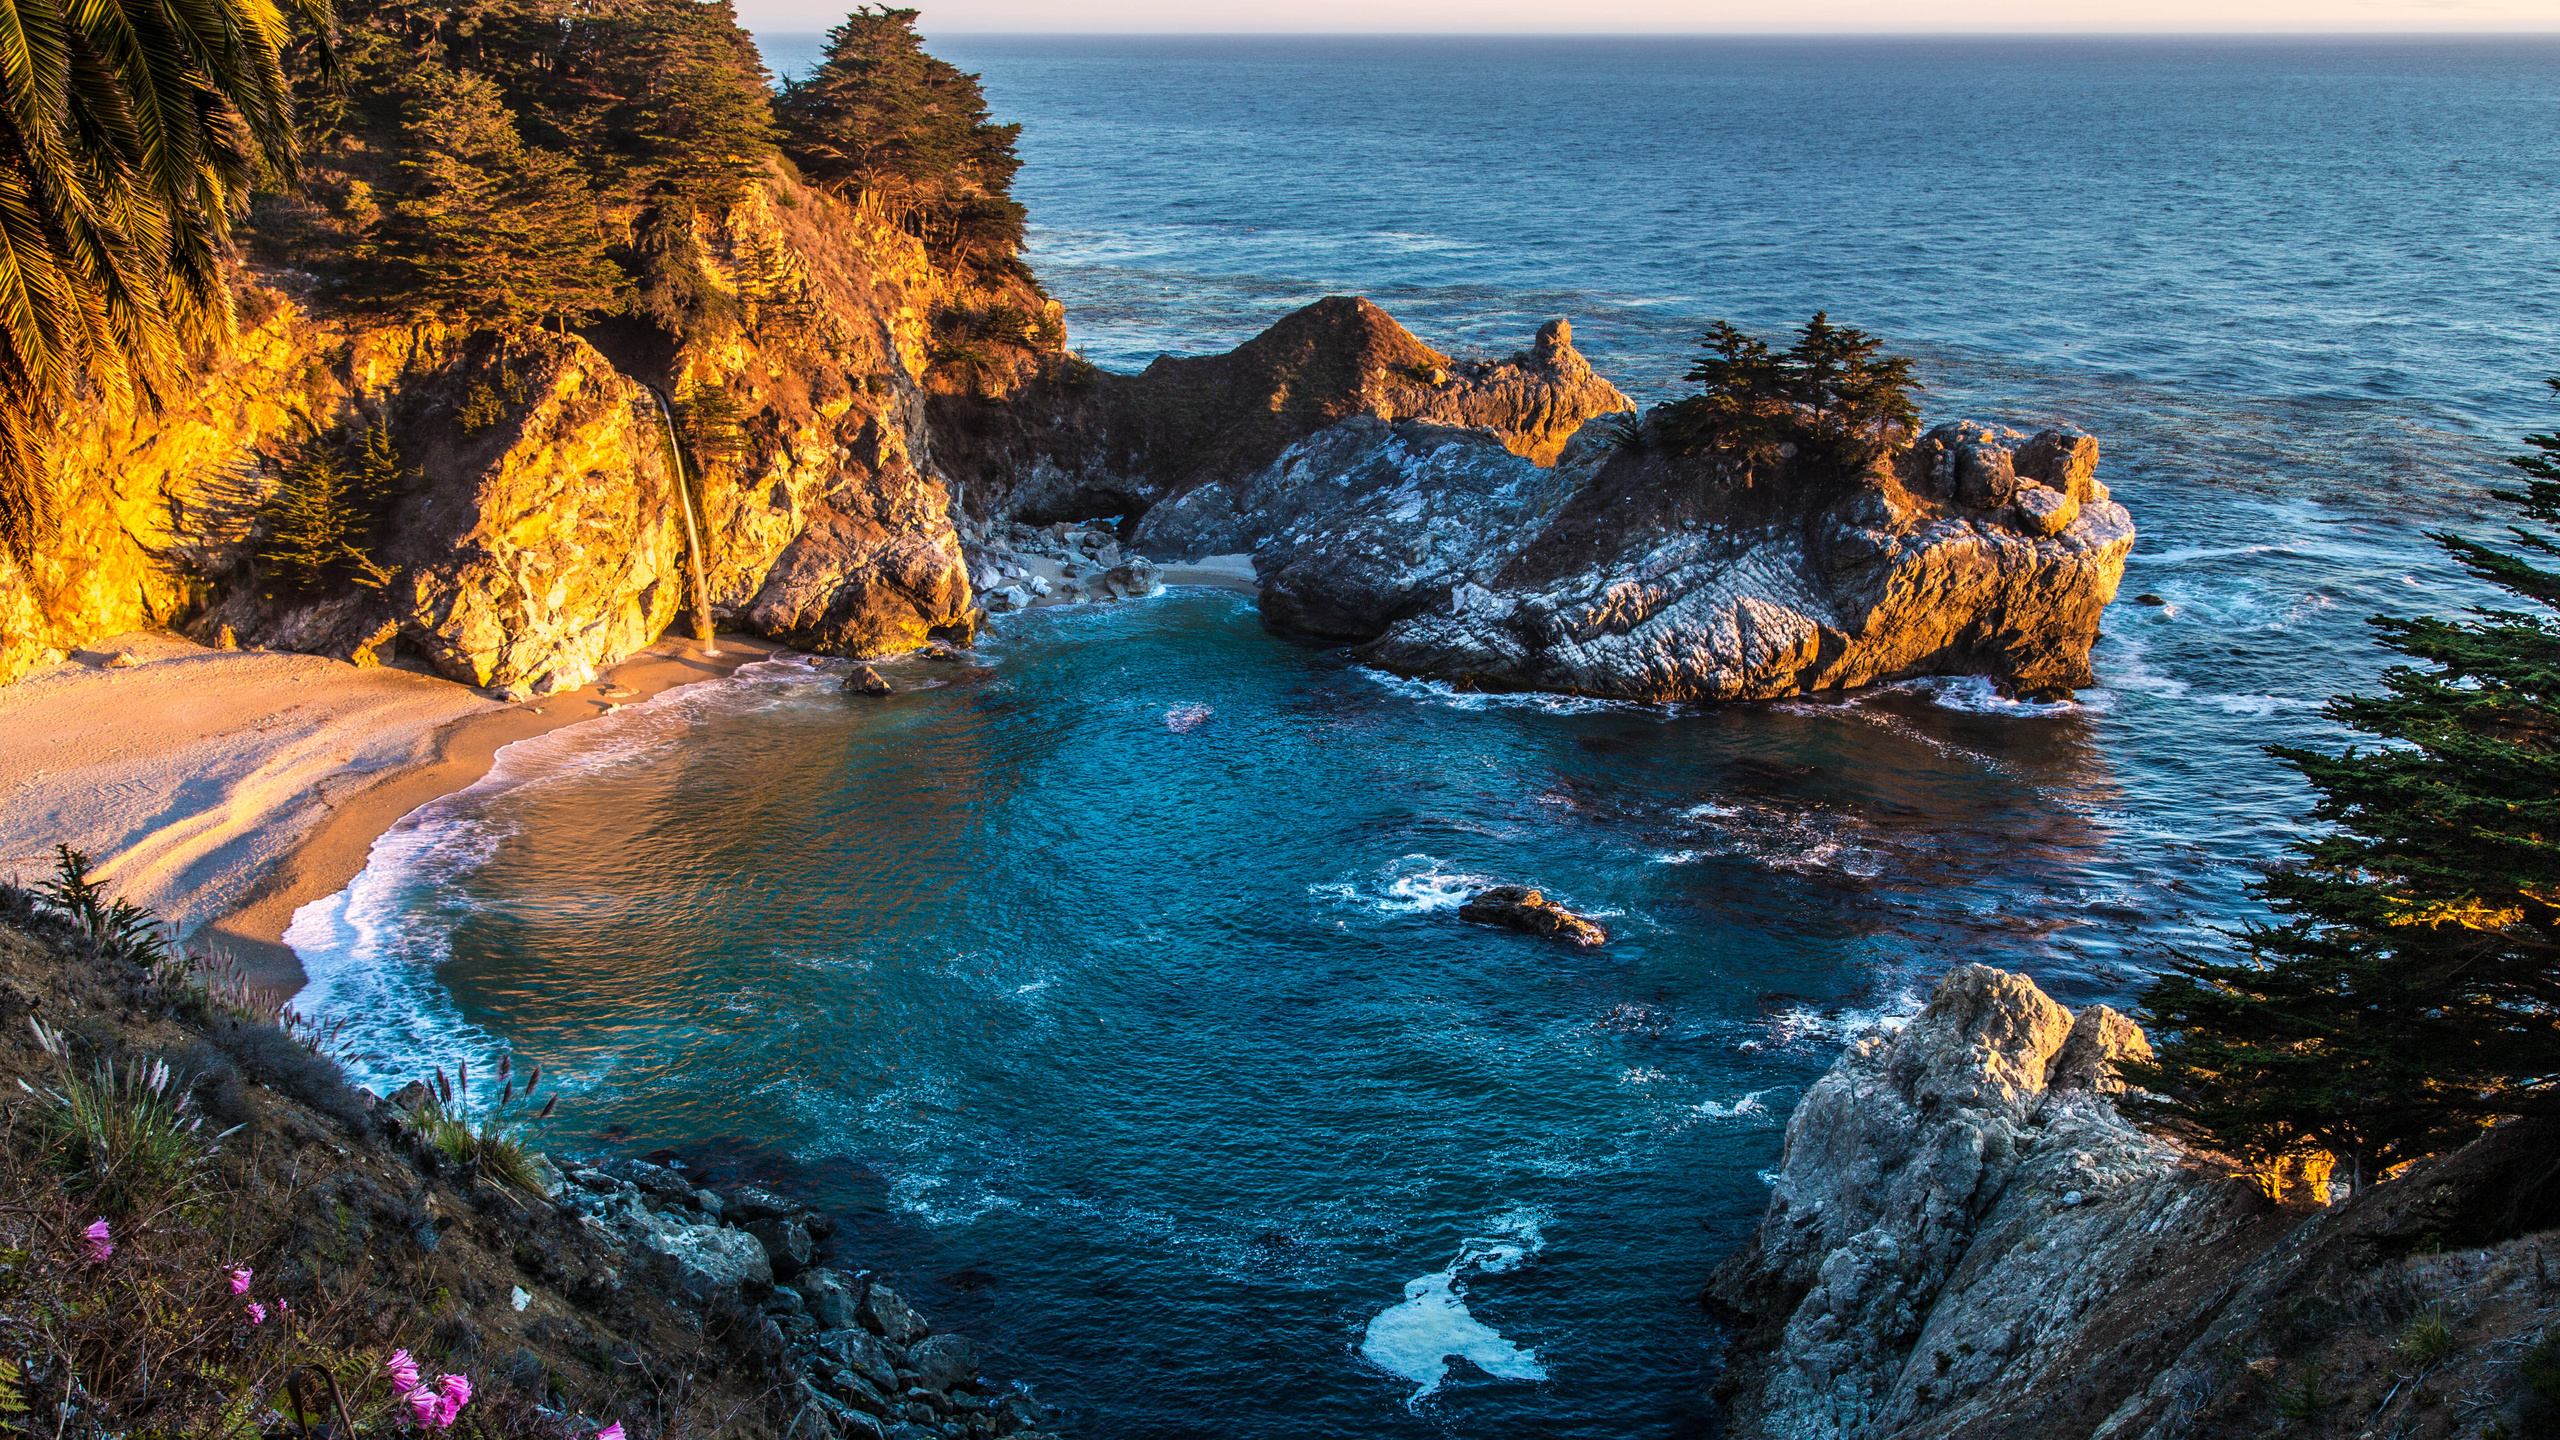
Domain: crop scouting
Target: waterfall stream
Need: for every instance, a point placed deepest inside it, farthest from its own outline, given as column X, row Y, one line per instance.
column 692, row 536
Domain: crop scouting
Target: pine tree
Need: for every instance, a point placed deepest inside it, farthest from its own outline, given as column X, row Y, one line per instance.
column 2407, row 990
column 884, row 121
column 318, row 521
column 671, row 95
column 484, row 226
column 1831, row 391
column 1858, row 399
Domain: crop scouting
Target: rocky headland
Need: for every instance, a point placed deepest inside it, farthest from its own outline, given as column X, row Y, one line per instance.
column 1968, row 1239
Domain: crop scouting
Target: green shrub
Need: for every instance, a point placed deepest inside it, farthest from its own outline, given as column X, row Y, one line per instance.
column 2541, row 1367
column 2427, row 1340
column 123, row 1133
column 118, row 926
column 2304, row 1400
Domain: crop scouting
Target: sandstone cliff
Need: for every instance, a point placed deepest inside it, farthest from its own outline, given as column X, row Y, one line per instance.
column 540, row 536
column 1967, row 1240
column 1634, row 573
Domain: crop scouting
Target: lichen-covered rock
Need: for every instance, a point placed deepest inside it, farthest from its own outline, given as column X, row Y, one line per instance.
column 1517, row 907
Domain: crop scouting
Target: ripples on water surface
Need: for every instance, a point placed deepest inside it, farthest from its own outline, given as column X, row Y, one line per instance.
column 1111, row 990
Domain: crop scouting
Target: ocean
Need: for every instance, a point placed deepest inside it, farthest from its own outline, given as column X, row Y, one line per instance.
column 1112, row 996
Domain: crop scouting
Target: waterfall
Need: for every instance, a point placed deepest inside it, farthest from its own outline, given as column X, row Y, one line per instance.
column 692, row 537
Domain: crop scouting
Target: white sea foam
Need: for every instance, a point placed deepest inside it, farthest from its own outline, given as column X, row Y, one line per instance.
column 1804, row 1026
column 1976, row 695
column 1441, row 693
column 1183, row 719
column 1745, row 1108
column 1417, row 1339
column 1407, row 885
column 370, row 951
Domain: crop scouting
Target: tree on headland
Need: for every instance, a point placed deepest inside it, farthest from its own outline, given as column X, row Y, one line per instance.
column 1832, row 392
column 2407, row 990
column 131, row 133
column 896, row 128
column 484, row 226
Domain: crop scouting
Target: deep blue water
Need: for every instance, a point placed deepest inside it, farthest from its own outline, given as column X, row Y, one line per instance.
column 1143, row 1046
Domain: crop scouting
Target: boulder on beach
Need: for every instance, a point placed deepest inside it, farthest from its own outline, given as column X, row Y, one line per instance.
column 1518, row 907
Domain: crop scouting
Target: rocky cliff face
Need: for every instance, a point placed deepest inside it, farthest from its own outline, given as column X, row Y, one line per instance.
column 541, row 536
column 1967, row 1240
column 1649, row 576
column 1079, row 443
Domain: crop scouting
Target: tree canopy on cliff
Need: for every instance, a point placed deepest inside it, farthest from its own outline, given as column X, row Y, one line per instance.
column 895, row 127
column 484, row 225
column 2407, row 991
column 1832, row 391
column 131, row 133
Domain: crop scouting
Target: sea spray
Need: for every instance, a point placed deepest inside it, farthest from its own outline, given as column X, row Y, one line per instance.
column 1417, row 1338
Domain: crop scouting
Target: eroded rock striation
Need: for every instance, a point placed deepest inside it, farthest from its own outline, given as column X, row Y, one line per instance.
column 1966, row 1239
column 1635, row 573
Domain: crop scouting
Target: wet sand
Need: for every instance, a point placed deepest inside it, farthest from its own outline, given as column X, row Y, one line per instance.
column 226, row 789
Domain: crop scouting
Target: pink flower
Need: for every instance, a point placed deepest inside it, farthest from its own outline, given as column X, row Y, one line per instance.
column 610, row 1432
column 101, row 1243
column 240, row 1281
column 456, row 1388
column 403, row 1372
column 424, row 1405
column 257, row 1313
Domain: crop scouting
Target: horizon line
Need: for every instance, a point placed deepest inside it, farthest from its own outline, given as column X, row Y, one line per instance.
column 797, row 28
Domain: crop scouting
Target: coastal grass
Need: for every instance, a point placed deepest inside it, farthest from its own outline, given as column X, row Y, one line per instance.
column 123, row 1134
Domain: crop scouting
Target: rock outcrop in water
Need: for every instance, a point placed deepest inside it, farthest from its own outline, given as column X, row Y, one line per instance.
column 1967, row 1240
column 1078, row 444
column 1517, row 907
column 1635, row 573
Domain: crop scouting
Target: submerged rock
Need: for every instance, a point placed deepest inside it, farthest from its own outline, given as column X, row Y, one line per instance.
column 1518, row 907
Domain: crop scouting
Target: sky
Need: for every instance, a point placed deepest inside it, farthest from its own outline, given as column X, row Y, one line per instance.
column 1702, row 17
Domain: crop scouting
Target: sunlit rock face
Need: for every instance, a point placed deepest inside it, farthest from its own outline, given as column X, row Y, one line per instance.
column 1076, row 444
column 540, row 533
column 1637, row 574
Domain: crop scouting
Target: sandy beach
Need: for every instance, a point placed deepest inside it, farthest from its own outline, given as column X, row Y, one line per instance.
column 225, row 789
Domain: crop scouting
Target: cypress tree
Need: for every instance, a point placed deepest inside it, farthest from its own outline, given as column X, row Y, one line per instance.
column 2407, row 990
column 1832, row 390
column 484, row 226
column 885, row 121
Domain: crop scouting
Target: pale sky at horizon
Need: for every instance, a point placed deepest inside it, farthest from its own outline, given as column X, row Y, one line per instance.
column 1695, row 17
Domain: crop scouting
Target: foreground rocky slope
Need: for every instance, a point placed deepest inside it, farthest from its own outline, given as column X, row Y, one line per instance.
column 1967, row 1240
column 676, row 1304
column 1625, row 571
